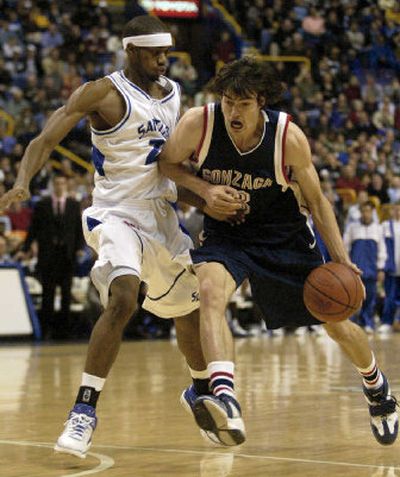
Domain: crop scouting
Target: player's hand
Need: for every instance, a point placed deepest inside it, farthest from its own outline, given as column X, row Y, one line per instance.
column 359, row 272
column 223, row 199
column 236, row 219
column 16, row 194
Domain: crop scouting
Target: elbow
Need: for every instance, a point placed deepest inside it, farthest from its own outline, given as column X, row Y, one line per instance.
column 166, row 169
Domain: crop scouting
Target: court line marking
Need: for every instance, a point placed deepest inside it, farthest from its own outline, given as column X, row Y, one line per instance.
column 106, row 462
column 249, row 456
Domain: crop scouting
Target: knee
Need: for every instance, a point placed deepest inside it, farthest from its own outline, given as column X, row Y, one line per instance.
column 211, row 296
column 122, row 303
column 344, row 331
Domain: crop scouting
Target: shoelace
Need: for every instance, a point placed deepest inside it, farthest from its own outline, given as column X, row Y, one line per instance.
column 384, row 407
column 78, row 424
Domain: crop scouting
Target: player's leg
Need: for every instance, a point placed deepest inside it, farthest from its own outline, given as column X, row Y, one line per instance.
column 219, row 413
column 188, row 338
column 103, row 348
column 382, row 405
column 115, row 275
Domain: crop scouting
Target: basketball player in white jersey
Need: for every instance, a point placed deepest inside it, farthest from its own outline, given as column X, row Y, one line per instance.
column 131, row 225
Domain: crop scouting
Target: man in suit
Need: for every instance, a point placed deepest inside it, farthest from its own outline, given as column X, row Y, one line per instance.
column 57, row 230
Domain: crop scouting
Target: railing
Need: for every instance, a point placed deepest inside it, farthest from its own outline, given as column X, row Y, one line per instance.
column 63, row 151
column 227, row 16
column 9, row 120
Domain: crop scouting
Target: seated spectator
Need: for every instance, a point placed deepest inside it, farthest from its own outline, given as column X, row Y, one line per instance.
column 20, row 216
column 224, row 49
column 383, row 118
column 394, row 190
column 378, row 189
column 349, row 179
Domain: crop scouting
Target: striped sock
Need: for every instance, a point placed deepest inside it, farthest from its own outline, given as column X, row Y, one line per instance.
column 221, row 377
column 371, row 376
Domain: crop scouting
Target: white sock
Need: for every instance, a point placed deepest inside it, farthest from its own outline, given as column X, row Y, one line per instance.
column 371, row 376
column 93, row 381
column 203, row 374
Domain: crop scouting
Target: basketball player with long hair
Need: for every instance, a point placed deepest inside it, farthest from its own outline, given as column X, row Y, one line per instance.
column 240, row 143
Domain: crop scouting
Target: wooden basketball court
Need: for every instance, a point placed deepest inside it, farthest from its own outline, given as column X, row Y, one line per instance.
column 302, row 403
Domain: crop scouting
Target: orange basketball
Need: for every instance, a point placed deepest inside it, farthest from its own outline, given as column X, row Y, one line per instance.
column 333, row 292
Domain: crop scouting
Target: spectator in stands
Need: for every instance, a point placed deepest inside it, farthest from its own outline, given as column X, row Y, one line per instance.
column 354, row 211
column 349, row 179
column 20, row 215
column 224, row 49
column 391, row 230
column 394, row 190
column 16, row 103
column 313, row 24
column 377, row 188
column 366, row 245
column 56, row 227
column 383, row 118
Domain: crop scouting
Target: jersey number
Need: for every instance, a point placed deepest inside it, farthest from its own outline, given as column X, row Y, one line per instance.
column 245, row 197
column 153, row 154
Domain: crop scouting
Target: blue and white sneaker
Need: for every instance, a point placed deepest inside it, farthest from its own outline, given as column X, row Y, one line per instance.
column 76, row 438
column 382, row 409
column 222, row 416
column 188, row 398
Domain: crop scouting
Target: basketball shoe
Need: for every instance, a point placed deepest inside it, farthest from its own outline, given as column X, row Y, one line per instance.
column 76, row 438
column 383, row 415
column 188, row 399
column 222, row 416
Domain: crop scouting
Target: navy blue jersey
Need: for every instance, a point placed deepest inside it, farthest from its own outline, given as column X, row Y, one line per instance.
column 274, row 203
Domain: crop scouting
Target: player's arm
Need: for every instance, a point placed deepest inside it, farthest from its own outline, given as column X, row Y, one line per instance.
column 298, row 157
column 83, row 101
column 180, row 147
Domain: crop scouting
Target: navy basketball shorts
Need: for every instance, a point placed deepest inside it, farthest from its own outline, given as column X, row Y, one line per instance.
column 276, row 274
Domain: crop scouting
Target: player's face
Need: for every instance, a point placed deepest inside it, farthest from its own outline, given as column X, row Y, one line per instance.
column 152, row 62
column 240, row 114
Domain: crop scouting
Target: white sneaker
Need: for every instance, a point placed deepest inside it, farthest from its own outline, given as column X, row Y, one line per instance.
column 385, row 329
column 369, row 330
column 300, row 331
column 222, row 416
column 76, row 438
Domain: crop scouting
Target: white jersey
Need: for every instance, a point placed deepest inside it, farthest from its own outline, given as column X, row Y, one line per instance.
column 125, row 156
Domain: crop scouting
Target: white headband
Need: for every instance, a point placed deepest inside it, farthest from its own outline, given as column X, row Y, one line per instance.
column 150, row 41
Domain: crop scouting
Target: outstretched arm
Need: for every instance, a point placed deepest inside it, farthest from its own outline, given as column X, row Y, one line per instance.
column 298, row 157
column 180, row 147
column 83, row 101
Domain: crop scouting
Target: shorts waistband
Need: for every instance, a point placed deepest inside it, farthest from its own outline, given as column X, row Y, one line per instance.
column 142, row 204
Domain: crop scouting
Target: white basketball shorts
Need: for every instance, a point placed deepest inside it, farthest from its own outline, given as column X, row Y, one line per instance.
column 143, row 239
